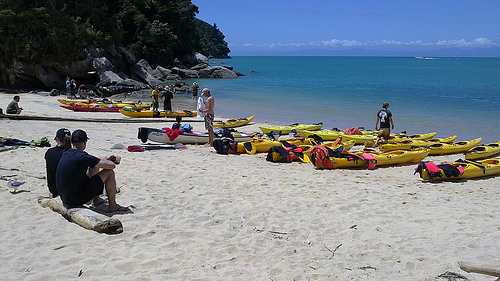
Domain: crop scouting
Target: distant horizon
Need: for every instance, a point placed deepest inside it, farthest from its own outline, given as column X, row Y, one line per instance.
column 360, row 28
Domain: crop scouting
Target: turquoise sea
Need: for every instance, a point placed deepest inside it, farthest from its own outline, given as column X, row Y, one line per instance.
column 452, row 96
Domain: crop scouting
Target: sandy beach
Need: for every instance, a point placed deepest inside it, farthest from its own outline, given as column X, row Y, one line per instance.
column 199, row 215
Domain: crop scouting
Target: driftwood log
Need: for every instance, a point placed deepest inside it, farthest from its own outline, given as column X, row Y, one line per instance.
column 85, row 217
column 486, row 270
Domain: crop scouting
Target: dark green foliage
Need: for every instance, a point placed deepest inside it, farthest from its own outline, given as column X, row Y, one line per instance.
column 212, row 40
column 48, row 31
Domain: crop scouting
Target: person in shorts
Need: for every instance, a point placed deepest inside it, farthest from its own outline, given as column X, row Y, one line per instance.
column 81, row 177
column 155, row 96
column 209, row 115
column 386, row 124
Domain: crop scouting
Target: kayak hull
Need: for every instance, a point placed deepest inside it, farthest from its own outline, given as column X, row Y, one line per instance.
column 471, row 170
column 233, row 123
column 153, row 114
column 161, row 136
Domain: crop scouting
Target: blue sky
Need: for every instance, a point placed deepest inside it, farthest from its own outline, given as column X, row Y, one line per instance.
column 357, row 27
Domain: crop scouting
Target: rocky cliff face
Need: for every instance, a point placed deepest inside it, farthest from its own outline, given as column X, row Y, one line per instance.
column 106, row 68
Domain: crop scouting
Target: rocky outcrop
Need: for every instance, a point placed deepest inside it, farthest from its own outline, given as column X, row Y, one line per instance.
column 114, row 66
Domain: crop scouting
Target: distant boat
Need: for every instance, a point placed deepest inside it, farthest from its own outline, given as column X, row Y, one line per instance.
column 426, row 58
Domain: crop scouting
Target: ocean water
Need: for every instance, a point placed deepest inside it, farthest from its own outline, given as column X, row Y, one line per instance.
column 451, row 96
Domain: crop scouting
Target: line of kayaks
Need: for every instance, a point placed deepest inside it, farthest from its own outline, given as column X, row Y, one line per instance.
column 130, row 112
column 102, row 103
column 90, row 108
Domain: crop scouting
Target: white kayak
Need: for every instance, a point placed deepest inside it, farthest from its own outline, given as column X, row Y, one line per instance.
column 161, row 136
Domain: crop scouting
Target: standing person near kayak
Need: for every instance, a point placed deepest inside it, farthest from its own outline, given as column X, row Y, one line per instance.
column 166, row 95
column 386, row 124
column 209, row 115
column 155, row 95
column 194, row 90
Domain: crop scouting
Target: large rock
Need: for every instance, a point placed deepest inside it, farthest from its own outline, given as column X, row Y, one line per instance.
column 161, row 73
column 144, row 71
column 223, row 73
column 108, row 78
column 195, row 59
column 26, row 73
column 216, row 72
column 185, row 73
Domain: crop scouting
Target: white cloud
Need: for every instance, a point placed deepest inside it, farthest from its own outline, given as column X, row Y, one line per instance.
column 460, row 43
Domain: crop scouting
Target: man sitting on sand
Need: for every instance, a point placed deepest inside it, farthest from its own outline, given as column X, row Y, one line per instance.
column 80, row 177
column 13, row 107
column 52, row 157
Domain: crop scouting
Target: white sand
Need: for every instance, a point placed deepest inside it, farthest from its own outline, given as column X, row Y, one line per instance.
column 198, row 215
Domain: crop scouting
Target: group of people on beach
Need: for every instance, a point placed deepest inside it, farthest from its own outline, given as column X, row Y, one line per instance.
column 78, row 177
column 74, row 92
column 207, row 110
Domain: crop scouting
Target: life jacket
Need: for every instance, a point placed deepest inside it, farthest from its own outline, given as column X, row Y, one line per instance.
column 352, row 131
column 279, row 154
column 320, row 157
column 372, row 162
column 432, row 170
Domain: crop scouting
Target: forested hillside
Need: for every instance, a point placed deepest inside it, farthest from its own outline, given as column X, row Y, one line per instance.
column 61, row 31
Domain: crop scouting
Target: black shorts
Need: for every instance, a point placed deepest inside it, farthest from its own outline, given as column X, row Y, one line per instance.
column 90, row 189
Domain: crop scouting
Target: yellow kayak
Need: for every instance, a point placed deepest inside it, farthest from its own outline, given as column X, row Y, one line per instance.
column 397, row 157
column 150, row 113
column 288, row 129
column 103, row 103
column 283, row 155
column 326, row 135
column 331, row 144
column 483, row 151
column 458, row 170
column 451, row 148
column 263, row 145
column 232, row 123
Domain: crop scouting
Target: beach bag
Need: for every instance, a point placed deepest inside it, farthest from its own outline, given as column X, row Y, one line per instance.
column 225, row 145
column 186, row 127
column 143, row 134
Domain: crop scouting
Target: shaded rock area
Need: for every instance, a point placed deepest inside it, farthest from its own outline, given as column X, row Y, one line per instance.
column 113, row 71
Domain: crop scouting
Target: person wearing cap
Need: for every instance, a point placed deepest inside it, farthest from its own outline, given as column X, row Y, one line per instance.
column 81, row 177
column 52, row 157
column 194, row 89
column 386, row 124
column 209, row 115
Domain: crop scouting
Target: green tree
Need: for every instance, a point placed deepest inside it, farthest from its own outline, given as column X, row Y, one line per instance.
column 60, row 31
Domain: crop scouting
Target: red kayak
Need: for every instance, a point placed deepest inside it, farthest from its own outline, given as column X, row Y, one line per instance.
column 91, row 108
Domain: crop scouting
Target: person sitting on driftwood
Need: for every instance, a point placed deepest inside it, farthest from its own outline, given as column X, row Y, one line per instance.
column 52, row 157
column 81, row 177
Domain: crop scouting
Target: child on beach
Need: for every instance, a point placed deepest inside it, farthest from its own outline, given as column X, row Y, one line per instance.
column 177, row 124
